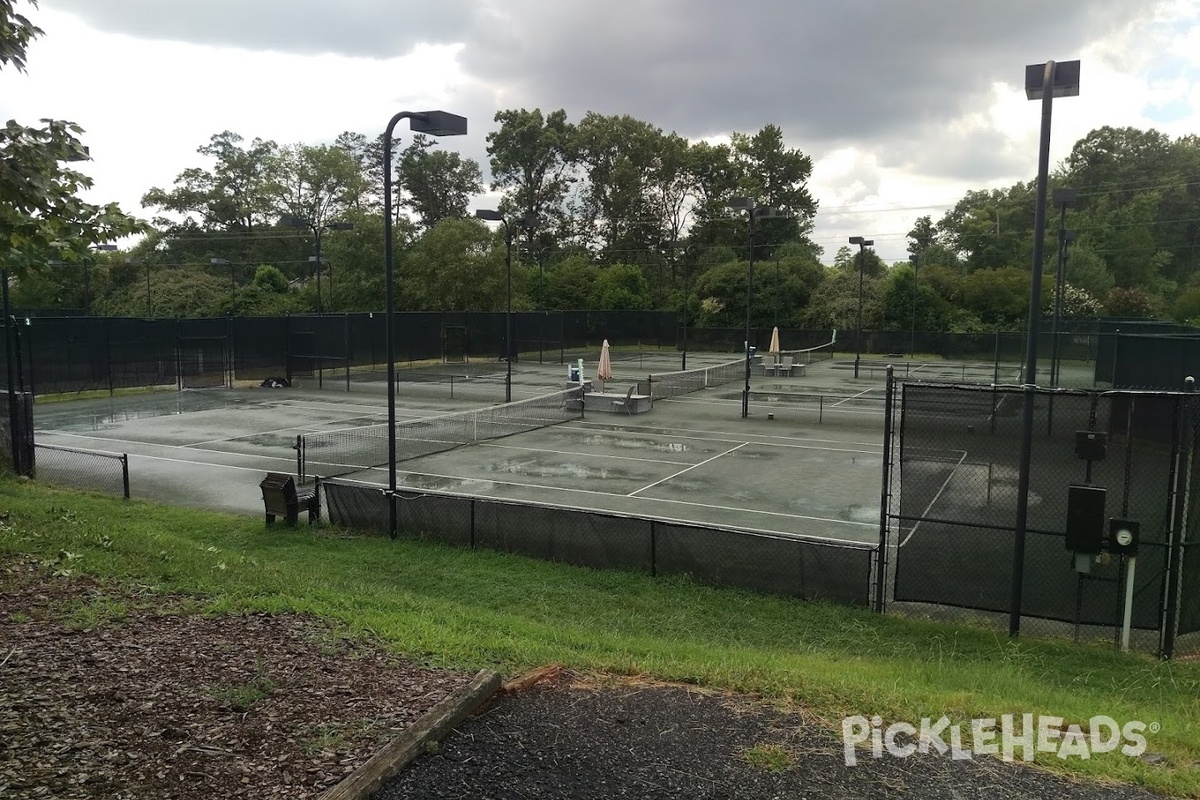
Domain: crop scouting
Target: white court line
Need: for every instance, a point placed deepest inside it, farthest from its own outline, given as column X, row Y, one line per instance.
column 517, row 484
column 811, row 398
column 574, row 453
column 541, row 486
column 656, row 428
column 688, row 469
column 139, row 443
column 945, row 483
column 853, row 397
column 718, row 437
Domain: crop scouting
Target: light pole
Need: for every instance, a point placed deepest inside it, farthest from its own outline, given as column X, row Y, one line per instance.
column 760, row 212
column 689, row 250
column 1042, row 82
column 862, row 260
column 1062, row 199
column 435, row 123
column 222, row 262
column 526, row 223
column 912, row 346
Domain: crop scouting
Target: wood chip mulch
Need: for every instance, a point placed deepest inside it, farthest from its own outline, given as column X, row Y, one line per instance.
column 111, row 693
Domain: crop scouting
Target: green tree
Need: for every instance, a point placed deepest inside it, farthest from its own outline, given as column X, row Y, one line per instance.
column 529, row 155
column 569, row 284
column 457, row 265
column 999, row 297
column 235, row 195
column 437, row 184
column 621, row 287
column 270, row 279
column 41, row 213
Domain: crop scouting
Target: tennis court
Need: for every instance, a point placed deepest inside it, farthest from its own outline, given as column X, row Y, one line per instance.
column 692, row 458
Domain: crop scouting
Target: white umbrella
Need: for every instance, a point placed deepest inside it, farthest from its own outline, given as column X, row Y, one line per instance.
column 604, row 369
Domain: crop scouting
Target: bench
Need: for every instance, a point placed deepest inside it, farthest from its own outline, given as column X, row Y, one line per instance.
column 282, row 499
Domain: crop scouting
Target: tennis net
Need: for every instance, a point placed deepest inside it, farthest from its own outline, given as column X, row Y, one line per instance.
column 809, row 355
column 673, row 384
column 341, row 452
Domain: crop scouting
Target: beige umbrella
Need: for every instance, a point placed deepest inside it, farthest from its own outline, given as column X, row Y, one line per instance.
column 774, row 348
column 604, row 369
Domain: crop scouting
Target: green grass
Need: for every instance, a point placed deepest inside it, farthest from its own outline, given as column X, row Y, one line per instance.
column 460, row 609
column 769, row 757
column 91, row 394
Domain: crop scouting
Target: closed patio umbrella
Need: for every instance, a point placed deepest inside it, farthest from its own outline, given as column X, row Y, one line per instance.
column 604, row 369
column 774, row 348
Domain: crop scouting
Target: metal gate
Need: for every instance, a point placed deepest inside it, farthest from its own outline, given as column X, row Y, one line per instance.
column 948, row 529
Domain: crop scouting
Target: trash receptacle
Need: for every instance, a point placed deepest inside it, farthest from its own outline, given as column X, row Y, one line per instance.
column 573, row 373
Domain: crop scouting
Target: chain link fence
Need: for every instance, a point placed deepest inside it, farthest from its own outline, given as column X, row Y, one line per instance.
column 951, row 510
column 779, row 564
column 89, row 470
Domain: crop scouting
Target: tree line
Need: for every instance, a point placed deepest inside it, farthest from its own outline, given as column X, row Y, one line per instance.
column 624, row 215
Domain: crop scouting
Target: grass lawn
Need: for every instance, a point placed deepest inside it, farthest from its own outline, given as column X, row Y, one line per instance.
column 475, row 609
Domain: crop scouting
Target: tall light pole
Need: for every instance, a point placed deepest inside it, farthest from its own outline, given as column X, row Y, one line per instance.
column 435, row 123
column 1042, row 82
column 526, row 223
column 863, row 244
column 292, row 221
column 912, row 346
column 222, row 262
column 1062, row 199
column 753, row 212
column 689, row 250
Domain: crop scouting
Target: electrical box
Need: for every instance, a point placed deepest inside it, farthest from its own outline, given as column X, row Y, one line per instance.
column 1091, row 445
column 1085, row 518
column 1123, row 536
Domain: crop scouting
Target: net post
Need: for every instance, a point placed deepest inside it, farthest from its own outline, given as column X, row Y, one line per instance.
column 125, row 474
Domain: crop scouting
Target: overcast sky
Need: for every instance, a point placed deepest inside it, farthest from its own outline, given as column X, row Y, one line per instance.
column 903, row 106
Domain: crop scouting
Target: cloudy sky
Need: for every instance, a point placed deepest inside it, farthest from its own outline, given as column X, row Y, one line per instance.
column 903, row 105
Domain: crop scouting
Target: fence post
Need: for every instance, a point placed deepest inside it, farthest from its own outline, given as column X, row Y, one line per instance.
column 108, row 359
column 1179, row 515
column 885, row 492
column 125, row 473
column 653, row 549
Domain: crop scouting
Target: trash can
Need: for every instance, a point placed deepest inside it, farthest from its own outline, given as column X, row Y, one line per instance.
column 573, row 373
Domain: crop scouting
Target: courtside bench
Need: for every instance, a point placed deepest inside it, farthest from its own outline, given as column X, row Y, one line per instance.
column 281, row 498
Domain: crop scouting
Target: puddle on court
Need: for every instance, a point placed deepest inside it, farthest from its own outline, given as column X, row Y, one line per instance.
column 634, row 443
column 532, row 467
column 411, row 480
column 854, row 512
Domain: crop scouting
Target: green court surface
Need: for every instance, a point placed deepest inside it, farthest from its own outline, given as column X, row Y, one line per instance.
column 807, row 460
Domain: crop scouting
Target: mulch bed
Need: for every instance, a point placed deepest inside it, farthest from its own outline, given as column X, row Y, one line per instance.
column 105, row 693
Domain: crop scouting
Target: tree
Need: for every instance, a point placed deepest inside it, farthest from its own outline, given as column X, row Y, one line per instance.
column 569, row 284
column 1123, row 302
column 921, row 238
column 458, row 265
column 234, row 195
column 438, row 184
column 314, row 184
column 270, row 279
column 617, row 156
column 621, row 287
column 529, row 157
column 41, row 213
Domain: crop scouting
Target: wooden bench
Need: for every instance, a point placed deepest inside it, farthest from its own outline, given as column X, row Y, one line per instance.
column 282, row 499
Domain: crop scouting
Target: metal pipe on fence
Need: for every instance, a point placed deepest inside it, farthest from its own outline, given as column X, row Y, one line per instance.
column 1177, row 533
column 125, row 474
column 885, row 492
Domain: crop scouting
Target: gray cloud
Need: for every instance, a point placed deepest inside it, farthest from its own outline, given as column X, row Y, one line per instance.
column 369, row 28
column 825, row 72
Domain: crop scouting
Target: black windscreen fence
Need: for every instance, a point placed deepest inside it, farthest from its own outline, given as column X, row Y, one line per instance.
column 792, row 566
column 952, row 533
